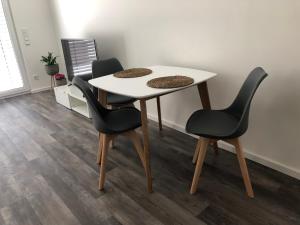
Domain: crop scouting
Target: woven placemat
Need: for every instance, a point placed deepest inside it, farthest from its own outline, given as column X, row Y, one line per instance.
column 170, row 82
column 134, row 72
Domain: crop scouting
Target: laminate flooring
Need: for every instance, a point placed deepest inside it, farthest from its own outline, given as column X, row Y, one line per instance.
column 49, row 176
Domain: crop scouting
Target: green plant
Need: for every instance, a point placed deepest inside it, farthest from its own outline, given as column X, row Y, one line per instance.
column 49, row 60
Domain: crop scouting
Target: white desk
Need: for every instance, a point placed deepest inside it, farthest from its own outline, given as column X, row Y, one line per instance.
column 137, row 88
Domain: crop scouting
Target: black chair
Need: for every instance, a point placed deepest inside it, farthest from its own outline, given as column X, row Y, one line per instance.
column 111, row 66
column 106, row 67
column 227, row 124
column 109, row 124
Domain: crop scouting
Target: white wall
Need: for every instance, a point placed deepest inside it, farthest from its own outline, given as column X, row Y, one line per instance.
column 35, row 15
column 228, row 37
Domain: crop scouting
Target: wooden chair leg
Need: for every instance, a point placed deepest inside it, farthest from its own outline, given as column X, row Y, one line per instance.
column 104, row 150
column 201, row 156
column 112, row 143
column 243, row 166
column 197, row 151
column 212, row 142
column 134, row 137
column 159, row 112
column 99, row 149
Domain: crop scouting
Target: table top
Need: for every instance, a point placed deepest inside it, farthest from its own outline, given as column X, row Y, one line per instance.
column 137, row 87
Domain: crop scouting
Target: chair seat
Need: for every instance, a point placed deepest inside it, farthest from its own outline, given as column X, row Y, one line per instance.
column 122, row 120
column 216, row 124
column 115, row 99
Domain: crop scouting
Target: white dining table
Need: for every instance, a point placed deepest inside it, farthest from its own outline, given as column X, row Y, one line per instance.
column 138, row 89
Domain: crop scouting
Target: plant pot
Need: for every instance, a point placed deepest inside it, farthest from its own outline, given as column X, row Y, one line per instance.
column 52, row 69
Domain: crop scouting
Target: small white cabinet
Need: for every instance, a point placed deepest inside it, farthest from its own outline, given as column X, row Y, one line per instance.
column 61, row 96
column 72, row 98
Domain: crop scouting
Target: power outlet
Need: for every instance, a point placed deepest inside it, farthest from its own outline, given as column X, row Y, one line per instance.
column 36, row 77
column 26, row 37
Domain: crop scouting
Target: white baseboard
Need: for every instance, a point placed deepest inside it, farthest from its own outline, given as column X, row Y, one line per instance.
column 15, row 95
column 27, row 92
column 293, row 172
column 36, row 90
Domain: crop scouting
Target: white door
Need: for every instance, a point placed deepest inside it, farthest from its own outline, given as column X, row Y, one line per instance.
column 12, row 79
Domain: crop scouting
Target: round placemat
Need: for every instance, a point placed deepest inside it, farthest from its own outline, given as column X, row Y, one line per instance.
column 134, row 72
column 170, row 82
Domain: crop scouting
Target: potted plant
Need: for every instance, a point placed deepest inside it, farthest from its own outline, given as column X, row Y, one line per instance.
column 51, row 66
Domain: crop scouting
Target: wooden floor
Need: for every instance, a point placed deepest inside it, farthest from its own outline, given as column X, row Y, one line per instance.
column 48, row 175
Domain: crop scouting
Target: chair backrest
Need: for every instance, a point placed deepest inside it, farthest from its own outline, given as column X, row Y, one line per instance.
column 97, row 110
column 241, row 105
column 106, row 67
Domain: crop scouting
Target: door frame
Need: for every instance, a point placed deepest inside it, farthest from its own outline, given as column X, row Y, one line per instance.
column 17, row 49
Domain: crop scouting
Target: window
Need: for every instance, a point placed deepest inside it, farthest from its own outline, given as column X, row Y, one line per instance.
column 10, row 75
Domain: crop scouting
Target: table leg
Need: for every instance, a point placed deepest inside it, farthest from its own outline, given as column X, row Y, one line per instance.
column 100, row 149
column 102, row 97
column 159, row 113
column 204, row 96
column 146, row 143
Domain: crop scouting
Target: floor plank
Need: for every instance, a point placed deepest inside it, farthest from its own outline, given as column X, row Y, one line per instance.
column 20, row 212
column 126, row 210
column 157, row 204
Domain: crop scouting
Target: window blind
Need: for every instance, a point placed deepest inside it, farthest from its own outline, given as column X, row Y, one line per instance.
column 10, row 76
column 79, row 55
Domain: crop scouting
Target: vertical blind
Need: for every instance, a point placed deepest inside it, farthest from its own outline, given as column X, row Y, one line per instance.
column 10, row 76
column 79, row 55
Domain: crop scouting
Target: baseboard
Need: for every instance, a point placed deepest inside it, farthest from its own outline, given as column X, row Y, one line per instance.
column 290, row 171
column 36, row 90
column 27, row 92
column 15, row 95
column 264, row 161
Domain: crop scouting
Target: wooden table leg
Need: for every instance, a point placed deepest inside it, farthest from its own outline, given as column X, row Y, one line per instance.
column 100, row 149
column 159, row 113
column 102, row 97
column 146, row 143
column 204, row 96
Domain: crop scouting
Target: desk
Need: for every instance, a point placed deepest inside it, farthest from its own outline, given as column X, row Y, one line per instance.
column 137, row 88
